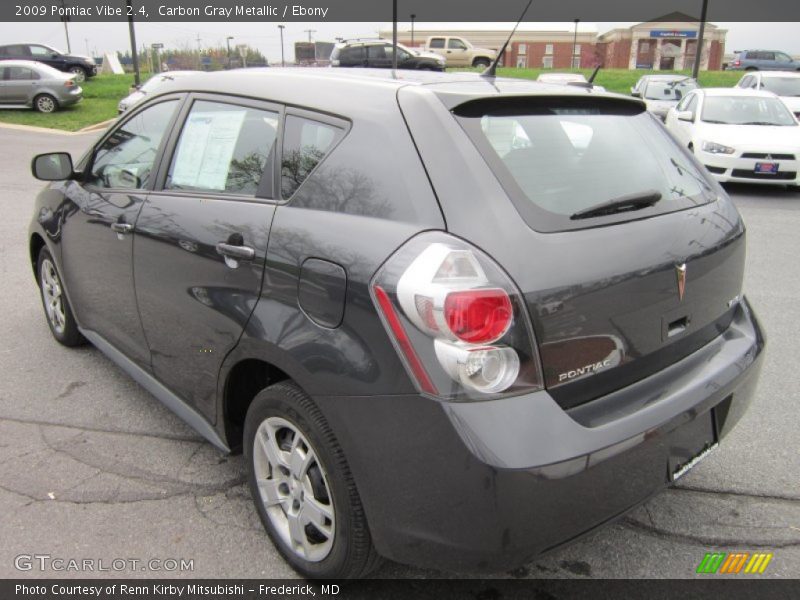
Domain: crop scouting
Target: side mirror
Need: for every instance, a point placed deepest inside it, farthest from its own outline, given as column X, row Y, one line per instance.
column 55, row 166
column 684, row 115
column 54, row 55
column 635, row 94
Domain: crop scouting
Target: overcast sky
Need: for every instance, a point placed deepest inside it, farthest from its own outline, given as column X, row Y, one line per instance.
column 97, row 38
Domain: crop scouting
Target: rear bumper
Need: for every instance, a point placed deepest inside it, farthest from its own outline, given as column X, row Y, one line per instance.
column 488, row 485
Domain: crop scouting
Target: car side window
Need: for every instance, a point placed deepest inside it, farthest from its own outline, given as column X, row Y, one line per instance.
column 376, row 52
column 20, row 74
column 691, row 106
column 684, row 102
column 223, row 148
column 305, row 143
column 767, row 56
column 781, row 57
column 353, row 54
column 40, row 51
column 454, row 44
column 745, row 82
column 126, row 158
column 437, row 43
column 18, row 50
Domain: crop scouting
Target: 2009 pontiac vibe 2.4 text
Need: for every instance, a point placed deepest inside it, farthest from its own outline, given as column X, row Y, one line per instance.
column 450, row 320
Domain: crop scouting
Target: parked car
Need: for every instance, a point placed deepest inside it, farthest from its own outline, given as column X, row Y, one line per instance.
column 763, row 60
column 567, row 79
column 662, row 92
column 28, row 84
column 80, row 66
column 739, row 135
column 377, row 54
column 149, row 87
column 459, row 52
column 784, row 84
column 440, row 325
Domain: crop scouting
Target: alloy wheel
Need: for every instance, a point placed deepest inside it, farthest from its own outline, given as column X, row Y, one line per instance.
column 294, row 489
column 52, row 292
column 45, row 104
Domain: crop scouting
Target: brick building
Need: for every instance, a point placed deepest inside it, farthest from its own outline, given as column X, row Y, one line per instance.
column 667, row 43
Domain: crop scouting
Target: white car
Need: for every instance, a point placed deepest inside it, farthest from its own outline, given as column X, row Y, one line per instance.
column 784, row 84
column 566, row 79
column 739, row 135
column 150, row 86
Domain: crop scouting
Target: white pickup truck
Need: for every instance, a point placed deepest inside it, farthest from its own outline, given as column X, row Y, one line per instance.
column 458, row 52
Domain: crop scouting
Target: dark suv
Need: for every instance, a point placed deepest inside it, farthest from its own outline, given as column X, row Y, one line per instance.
column 80, row 66
column 377, row 54
column 440, row 324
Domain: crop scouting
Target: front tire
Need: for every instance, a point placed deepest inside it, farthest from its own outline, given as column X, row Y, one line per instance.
column 80, row 74
column 302, row 487
column 45, row 103
column 56, row 306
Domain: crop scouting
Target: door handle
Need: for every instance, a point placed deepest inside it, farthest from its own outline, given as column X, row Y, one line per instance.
column 236, row 252
column 121, row 227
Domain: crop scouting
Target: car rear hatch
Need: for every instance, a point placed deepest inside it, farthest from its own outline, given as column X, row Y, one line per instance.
column 628, row 255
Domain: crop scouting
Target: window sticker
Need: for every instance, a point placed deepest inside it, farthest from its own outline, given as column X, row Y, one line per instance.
column 206, row 148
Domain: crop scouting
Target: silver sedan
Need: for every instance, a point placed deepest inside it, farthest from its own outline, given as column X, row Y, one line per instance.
column 29, row 84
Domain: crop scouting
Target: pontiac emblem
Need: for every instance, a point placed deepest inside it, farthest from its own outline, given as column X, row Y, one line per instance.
column 680, row 272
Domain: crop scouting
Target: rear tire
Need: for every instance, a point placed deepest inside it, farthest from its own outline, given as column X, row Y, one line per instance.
column 302, row 487
column 481, row 63
column 57, row 310
column 45, row 103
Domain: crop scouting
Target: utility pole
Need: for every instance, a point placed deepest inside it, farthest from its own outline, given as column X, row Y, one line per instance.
column 228, row 42
column 394, row 35
column 137, row 78
column 413, row 16
column 282, row 27
column 198, row 40
column 575, row 44
column 309, row 32
column 698, row 56
column 65, row 18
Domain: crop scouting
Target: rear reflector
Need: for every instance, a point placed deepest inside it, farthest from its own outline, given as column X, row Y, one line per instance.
column 413, row 361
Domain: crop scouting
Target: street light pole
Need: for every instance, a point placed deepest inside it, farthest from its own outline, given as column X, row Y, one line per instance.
column 575, row 44
column 282, row 27
column 698, row 55
column 413, row 16
column 228, row 42
column 309, row 32
column 394, row 35
column 137, row 78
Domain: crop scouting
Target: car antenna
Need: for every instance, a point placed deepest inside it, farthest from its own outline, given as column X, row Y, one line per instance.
column 490, row 72
column 588, row 84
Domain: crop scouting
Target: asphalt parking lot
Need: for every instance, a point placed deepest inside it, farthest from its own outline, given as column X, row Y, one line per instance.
column 92, row 466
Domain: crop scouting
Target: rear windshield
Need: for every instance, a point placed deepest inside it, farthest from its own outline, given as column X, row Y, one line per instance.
column 668, row 90
column 558, row 162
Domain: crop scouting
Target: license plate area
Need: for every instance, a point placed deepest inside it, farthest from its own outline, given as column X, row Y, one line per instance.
column 691, row 443
column 766, row 168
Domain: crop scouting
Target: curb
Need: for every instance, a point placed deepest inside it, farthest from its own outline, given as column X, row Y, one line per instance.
column 32, row 128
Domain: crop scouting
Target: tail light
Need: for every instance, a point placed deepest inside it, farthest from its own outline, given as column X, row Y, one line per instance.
column 457, row 320
column 737, row 63
column 69, row 83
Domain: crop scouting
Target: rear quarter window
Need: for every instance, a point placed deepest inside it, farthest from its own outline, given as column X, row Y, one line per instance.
column 559, row 159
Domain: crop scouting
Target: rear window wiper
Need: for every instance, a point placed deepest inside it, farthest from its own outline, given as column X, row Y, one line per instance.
column 624, row 203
